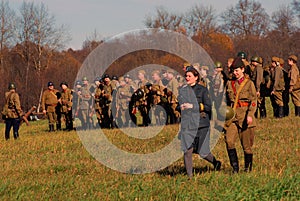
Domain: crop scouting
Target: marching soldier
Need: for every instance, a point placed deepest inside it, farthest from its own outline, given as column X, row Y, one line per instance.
column 108, row 92
column 242, row 96
column 49, row 106
column 12, row 112
column 278, row 86
column 66, row 105
column 294, row 83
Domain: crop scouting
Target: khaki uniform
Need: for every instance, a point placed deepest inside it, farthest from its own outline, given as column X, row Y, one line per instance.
column 66, row 107
column 12, row 113
column 295, row 85
column 49, row 103
column 278, row 87
column 85, row 103
column 246, row 107
column 122, row 104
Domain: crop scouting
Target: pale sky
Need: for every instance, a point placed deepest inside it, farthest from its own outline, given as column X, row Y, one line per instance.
column 111, row 17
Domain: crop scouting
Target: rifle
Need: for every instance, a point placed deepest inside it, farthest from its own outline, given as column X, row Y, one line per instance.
column 24, row 118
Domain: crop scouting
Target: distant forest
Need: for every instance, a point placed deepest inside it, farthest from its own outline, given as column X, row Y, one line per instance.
column 33, row 46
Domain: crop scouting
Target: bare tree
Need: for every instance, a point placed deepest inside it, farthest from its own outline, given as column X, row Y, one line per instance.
column 7, row 26
column 164, row 20
column 284, row 20
column 200, row 19
column 39, row 37
column 92, row 41
column 246, row 18
column 296, row 9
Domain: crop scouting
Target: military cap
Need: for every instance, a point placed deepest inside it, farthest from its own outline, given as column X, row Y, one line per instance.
column 114, row 77
column 204, row 68
column 78, row 82
column 275, row 59
column 294, row 58
column 11, row 86
column 84, row 78
column 218, row 64
column 243, row 55
column 105, row 76
column 237, row 63
column 255, row 58
column 196, row 65
column 190, row 69
column 97, row 79
column 63, row 83
column 142, row 72
column 127, row 76
column 50, row 84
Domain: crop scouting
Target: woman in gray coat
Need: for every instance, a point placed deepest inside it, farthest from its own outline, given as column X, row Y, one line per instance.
column 195, row 105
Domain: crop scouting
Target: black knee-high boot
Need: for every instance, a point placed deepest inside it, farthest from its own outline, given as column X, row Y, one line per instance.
column 233, row 160
column 248, row 162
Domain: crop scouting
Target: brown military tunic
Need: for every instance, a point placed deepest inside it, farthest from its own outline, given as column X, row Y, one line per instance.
column 66, row 100
column 122, row 102
column 295, row 84
column 277, row 78
column 13, row 105
column 246, row 106
column 49, row 103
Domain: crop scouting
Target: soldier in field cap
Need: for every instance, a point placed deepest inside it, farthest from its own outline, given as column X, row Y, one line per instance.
column 294, row 83
column 243, row 100
column 49, row 104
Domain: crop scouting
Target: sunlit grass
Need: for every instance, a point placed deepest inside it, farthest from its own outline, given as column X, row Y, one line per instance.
column 56, row 166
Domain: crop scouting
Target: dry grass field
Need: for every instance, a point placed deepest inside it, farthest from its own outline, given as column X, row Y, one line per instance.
column 56, row 166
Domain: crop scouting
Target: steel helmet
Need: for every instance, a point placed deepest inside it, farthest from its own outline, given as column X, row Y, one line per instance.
column 243, row 55
column 218, row 64
column 11, row 86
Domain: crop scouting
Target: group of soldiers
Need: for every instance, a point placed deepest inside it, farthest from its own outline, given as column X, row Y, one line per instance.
column 120, row 101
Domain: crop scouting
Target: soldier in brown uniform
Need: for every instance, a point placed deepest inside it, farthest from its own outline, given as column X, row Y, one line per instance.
column 108, row 93
column 294, row 83
column 242, row 96
column 172, row 94
column 123, row 96
column 277, row 87
column 49, row 104
column 85, row 104
column 257, row 76
column 12, row 111
column 66, row 105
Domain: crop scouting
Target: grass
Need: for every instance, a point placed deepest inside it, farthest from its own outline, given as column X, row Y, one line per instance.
column 56, row 166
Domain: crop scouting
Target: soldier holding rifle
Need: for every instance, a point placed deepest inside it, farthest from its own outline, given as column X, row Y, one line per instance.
column 243, row 100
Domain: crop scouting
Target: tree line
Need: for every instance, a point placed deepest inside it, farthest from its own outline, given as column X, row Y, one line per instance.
column 33, row 46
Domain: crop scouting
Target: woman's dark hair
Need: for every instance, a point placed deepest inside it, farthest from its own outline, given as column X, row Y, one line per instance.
column 193, row 71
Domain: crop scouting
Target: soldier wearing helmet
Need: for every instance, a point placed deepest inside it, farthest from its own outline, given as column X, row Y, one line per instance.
column 257, row 76
column 243, row 56
column 49, row 106
column 218, row 85
column 66, row 105
column 277, row 87
column 243, row 100
column 294, row 88
column 12, row 112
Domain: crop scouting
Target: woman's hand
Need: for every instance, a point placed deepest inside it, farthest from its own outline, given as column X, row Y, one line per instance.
column 186, row 106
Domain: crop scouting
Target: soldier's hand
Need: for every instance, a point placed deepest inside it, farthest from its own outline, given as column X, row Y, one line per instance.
column 249, row 120
column 44, row 111
column 258, row 94
column 290, row 90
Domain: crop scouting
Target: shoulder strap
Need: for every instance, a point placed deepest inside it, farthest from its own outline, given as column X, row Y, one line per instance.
column 238, row 93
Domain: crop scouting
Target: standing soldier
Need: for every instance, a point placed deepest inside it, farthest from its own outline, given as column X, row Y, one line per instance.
column 76, row 92
column 100, row 101
column 12, row 112
column 227, row 71
column 278, row 86
column 294, row 83
column 285, row 93
column 108, row 92
column 66, row 105
column 85, row 104
column 243, row 56
column 123, row 96
column 218, row 86
column 49, row 105
column 242, row 95
column 257, row 76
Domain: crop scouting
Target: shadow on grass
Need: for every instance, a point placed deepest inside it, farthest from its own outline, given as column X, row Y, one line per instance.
column 180, row 170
